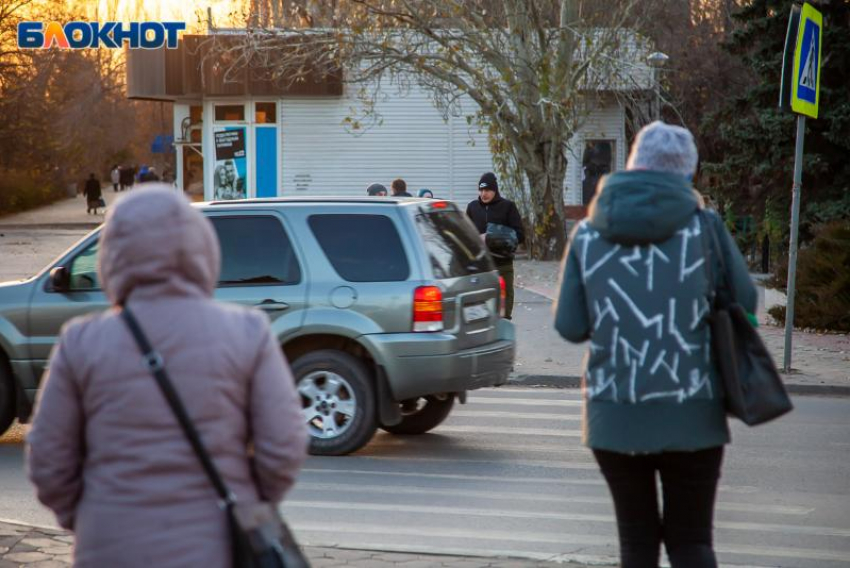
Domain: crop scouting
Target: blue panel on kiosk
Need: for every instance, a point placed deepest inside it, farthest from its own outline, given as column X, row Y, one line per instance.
column 267, row 161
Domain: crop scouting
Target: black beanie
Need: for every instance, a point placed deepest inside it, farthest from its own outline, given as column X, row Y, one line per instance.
column 488, row 181
column 375, row 188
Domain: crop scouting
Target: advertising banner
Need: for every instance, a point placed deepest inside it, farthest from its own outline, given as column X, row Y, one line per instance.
column 231, row 164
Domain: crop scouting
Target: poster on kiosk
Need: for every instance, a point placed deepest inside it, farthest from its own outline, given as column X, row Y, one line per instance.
column 231, row 164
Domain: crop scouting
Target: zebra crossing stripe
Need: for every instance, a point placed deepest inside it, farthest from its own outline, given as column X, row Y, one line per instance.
column 502, row 495
column 523, row 401
column 504, row 479
column 456, row 476
column 544, row 515
column 474, row 413
column 509, row 431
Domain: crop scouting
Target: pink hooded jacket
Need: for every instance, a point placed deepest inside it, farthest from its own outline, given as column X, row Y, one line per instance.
column 107, row 455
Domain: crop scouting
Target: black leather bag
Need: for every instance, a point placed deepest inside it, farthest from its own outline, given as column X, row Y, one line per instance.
column 501, row 240
column 259, row 536
column 754, row 392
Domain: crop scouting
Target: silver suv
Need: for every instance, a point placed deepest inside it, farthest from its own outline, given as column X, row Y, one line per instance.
column 387, row 309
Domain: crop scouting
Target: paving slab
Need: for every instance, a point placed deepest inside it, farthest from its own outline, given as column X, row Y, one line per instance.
column 320, row 557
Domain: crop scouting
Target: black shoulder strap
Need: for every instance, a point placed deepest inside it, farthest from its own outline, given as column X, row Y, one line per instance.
column 153, row 361
column 710, row 233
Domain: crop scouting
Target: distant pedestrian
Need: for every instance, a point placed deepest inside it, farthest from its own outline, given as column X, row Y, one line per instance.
column 107, row 454
column 492, row 209
column 93, row 195
column 126, row 177
column 115, row 177
column 635, row 284
column 151, row 175
column 148, row 174
column 376, row 190
column 426, row 193
column 399, row 188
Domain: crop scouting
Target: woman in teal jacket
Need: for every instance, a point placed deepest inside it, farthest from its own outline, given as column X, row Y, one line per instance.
column 635, row 284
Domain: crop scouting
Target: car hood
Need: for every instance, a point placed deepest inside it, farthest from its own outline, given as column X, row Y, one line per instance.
column 15, row 292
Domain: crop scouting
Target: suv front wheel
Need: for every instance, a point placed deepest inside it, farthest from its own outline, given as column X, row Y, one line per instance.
column 338, row 401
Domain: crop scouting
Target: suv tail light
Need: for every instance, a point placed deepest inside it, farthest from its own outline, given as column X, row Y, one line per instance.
column 428, row 309
column 502, row 294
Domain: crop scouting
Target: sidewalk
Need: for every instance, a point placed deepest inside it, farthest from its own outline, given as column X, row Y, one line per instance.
column 41, row 547
column 820, row 361
column 64, row 214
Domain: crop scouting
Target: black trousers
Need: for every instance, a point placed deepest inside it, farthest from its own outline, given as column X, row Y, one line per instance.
column 689, row 487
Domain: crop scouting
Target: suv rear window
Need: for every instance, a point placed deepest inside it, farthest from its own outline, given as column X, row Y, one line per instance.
column 362, row 248
column 452, row 244
column 255, row 250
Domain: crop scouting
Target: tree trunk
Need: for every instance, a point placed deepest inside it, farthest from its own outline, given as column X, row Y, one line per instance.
column 547, row 235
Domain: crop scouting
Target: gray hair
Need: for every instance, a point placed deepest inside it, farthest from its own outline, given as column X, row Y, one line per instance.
column 666, row 148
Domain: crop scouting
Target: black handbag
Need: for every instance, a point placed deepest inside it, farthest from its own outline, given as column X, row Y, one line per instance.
column 753, row 390
column 501, row 240
column 259, row 536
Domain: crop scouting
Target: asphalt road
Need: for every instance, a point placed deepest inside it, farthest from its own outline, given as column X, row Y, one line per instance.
column 506, row 474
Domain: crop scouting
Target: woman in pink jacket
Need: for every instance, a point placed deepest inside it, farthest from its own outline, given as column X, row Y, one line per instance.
column 107, row 455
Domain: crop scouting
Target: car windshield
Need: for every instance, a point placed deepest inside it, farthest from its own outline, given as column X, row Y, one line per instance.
column 454, row 248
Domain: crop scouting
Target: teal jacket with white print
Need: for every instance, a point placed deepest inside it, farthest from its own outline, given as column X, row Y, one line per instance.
column 635, row 284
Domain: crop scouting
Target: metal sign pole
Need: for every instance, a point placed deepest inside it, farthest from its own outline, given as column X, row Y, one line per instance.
column 795, row 225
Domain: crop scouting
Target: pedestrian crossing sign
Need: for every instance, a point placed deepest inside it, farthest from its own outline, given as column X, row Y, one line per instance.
column 805, row 86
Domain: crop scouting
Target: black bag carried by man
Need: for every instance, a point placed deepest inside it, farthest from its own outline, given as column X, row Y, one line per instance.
column 501, row 240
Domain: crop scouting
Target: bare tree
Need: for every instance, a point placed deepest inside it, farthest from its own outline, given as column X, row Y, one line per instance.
column 63, row 113
column 534, row 70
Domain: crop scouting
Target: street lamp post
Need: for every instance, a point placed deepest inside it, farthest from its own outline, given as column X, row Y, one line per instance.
column 657, row 61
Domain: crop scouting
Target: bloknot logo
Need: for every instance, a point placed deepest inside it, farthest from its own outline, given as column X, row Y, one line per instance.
column 113, row 35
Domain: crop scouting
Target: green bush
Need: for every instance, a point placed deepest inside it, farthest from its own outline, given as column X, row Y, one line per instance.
column 20, row 191
column 822, row 298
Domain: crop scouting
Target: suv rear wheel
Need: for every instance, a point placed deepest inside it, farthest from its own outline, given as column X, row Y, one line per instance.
column 422, row 414
column 7, row 397
column 338, row 401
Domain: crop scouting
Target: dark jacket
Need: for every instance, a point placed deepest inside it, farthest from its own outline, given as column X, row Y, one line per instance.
column 92, row 190
column 635, row 285
column 500, row 211
column 148, row 176
column 401, row 194
column 127, row 177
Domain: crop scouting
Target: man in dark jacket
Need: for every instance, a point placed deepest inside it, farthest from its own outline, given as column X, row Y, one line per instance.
column 490, row 207
column 93, row 194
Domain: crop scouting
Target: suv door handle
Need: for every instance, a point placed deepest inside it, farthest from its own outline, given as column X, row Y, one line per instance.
column 272, row 305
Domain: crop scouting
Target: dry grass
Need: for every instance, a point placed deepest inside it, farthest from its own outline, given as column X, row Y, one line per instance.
column 15, row 434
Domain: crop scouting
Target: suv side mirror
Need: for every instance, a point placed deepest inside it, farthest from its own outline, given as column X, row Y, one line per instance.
column 60, row 280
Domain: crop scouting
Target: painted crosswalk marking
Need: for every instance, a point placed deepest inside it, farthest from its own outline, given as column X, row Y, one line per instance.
column 513, row 458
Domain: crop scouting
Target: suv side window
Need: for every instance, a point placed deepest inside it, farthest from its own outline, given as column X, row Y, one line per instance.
column 83, row 269
column 453, row 245
column 362, row 248
column 255, row 250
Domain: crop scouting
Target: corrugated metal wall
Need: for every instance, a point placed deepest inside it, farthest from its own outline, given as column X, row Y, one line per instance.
column 321, row 156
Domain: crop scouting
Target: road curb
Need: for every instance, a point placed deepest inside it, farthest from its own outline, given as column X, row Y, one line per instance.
column 574, row 381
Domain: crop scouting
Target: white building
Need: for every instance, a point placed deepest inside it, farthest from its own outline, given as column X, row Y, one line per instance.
column 300, row 144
